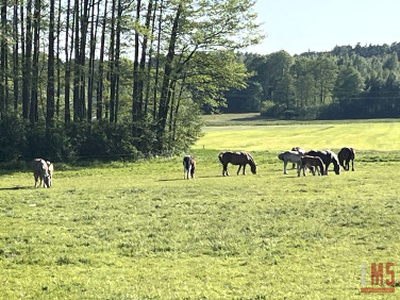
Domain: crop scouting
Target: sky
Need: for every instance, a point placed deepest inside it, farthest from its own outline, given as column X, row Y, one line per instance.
column 298, row 26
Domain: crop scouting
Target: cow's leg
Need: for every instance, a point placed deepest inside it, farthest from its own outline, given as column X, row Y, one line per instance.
column 352, row 164
column 284, row 167
column 244, row 169
column 192, row 172
column 238, row 171
column 225, row 170
column 318, row 168
column 299, row 168
column 313, row 171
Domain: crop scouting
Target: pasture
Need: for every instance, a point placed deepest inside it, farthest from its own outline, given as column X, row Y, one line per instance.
column 139, row 231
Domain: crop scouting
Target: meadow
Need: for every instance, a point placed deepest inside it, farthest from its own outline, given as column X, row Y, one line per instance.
column 127, row 230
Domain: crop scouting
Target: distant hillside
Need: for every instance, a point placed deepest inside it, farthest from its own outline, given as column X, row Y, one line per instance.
column 347, row 82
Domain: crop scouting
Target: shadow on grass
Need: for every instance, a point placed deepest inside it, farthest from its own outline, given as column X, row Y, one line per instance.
column 14, row 188
column 249, row 118
column 182, row 179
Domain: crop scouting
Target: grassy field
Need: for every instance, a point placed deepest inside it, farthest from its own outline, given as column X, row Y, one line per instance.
column 254, row 134
column 139, row 231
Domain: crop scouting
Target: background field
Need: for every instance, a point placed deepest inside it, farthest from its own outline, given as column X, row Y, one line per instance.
column 249, row 132
column 139, row 231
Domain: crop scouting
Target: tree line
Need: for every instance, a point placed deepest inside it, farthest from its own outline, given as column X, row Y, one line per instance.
column 115, row 77
column 347, row 82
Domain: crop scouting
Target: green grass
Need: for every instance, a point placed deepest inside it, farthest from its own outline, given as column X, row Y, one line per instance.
column 254, row 134
column 139, row 231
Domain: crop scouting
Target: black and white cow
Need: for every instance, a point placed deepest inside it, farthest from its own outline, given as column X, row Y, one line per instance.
column 189, row 166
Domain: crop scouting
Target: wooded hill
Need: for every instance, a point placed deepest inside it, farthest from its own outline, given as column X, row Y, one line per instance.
column 347, row 82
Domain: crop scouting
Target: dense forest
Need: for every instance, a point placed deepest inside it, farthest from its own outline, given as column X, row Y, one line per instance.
column 347, row 82
column 113, row 79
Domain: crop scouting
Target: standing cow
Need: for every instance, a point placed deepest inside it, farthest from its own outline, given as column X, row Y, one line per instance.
column 43, row 171
column 314, row 163
column 189, row 166
column 346, row 155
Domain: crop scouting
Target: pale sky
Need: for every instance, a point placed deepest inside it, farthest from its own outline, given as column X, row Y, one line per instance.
column 298, row 26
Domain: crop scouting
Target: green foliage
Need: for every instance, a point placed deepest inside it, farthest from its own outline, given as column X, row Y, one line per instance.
column 53, row 144
column 270, row 109
column 347, row 82
column 12, row 137
column 108, row 141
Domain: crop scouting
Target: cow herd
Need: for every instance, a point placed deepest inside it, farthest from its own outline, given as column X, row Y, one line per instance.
column 318, row 160
column 315, row 161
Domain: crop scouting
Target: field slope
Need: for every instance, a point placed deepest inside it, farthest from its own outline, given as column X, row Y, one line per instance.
column 254, row 134
column 139, row 231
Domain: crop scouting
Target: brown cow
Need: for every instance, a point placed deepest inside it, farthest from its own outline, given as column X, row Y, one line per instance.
column 189, row 166
column 313, row 163
column 237, row 158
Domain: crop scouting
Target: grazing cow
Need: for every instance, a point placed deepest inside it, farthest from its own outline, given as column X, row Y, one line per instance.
column 327, row 157
column 301, row 150
column 43, row 171
column 237, row 158
column 290, row 156
column 189, row 166
column 346, row 155
column 313, row 163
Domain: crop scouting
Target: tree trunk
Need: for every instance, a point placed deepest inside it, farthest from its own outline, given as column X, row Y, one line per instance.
column 117, row 56
column 111, row 73
column 77, row 69
column 99, row 111
column 50, row 69
column 150, row 63
column 165, row 88
column 58, row 59
column 156, row 79
column 27, row 69
column 93, row 35
column 16, row 57
column 33, row 116
column 3, row 58
column 135, row 95
column 143, row 58
column 82, row 58
column 67, row 113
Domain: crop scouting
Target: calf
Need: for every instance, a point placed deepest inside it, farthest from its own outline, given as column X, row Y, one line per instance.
column 313, row 163
column 189, row 166
column 43, row 171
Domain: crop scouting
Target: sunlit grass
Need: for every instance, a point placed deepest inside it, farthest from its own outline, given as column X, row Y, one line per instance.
column 139, row 231
column 366, row 135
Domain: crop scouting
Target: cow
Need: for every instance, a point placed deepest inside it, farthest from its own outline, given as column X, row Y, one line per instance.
column 189, row 166
column 43, row 172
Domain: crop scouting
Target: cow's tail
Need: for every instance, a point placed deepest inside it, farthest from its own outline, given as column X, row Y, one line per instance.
column 220, row 157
